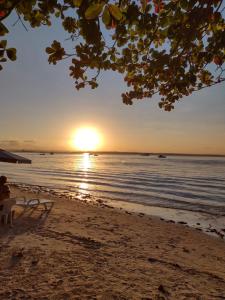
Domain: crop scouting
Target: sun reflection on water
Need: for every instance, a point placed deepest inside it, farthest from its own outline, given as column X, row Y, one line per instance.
column 83, row 186
column 85, row 166
column 86, row 162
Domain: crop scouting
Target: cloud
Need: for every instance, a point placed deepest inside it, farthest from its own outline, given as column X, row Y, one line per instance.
column 16, row 144
column 30, row 142
column 10, row 143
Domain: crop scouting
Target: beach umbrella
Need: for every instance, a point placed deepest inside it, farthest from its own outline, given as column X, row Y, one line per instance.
column 6, row 156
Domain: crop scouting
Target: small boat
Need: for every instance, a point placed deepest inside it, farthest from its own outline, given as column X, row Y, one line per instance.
column 161, row 156
column 145, row 154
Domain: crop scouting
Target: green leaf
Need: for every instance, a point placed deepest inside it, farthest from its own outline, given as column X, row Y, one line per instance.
column 11, row 53
column 3, row 29
column 77, row 3
column 3, row 44
column 115, row 12
column 57, row 14
column 184, row 4
column 49, row 50
column 94, row 11
column 106, row 18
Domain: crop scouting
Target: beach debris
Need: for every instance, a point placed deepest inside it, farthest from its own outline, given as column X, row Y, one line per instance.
column 186, row 250
column 152, row 260
column 99, row 201
column 220, row 235
column 16, row 257
column 182, row 222
column 217, row 232
column 141, row 214
column 35, row 261
column 161, row 156
column 163, row 290
column 18, row 253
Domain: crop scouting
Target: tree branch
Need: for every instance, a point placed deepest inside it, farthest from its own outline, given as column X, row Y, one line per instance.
column 11, row 9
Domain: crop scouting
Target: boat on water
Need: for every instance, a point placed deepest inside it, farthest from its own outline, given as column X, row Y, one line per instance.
column 161, row 156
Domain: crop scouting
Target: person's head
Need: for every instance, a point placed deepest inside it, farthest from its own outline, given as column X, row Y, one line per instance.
column 3, row 180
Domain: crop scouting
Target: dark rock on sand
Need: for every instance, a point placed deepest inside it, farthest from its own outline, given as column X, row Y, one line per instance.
column 163, row 290
column 186, row 250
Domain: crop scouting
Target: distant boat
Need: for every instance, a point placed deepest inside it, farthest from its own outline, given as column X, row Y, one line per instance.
column 42, row 153
column 161, row 156
column 52, row 153
column 145, row 154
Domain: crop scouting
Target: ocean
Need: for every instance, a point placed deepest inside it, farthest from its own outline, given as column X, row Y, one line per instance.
column 188, row 183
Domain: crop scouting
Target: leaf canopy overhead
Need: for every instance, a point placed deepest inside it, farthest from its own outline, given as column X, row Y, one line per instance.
column 172, row 48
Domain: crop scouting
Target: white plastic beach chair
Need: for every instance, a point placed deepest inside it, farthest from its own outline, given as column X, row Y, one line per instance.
column 6, row 213
column 35, row 202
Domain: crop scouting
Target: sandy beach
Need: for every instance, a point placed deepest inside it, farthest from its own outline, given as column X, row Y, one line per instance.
column 90, row 251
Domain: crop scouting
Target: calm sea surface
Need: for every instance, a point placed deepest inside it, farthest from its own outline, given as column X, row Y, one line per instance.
column 190, row 183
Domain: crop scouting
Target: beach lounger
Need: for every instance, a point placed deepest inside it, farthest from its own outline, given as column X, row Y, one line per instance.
column 6, row 212
column 35, row 202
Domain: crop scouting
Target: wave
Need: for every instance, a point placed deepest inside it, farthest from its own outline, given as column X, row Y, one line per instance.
column 190, row 183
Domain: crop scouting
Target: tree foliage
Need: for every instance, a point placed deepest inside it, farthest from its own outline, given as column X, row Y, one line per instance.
column 172, row 48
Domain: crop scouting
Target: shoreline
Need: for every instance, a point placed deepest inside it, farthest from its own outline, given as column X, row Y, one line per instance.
column 200, row 220
column 85, row 250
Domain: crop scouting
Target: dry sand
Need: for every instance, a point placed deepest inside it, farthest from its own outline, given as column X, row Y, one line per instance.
column 87, row 251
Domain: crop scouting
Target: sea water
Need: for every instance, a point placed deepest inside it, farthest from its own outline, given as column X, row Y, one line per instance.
column 195, row 183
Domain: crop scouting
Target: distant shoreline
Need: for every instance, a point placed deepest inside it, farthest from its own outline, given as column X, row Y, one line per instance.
column 118, row 153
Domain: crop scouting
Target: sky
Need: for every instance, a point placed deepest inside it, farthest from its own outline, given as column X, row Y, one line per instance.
column 40, row 109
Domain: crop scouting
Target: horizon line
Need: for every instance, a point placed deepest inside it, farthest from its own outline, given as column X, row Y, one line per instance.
column 115, row 152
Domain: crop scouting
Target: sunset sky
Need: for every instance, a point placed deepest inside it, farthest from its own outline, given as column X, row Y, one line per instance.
column 41, row 110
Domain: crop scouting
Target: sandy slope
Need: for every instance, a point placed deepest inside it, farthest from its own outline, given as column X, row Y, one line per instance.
column 83, row 251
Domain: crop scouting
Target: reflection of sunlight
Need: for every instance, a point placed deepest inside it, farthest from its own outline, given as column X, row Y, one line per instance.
column 86, row 162
column 83, row 186
column 85, row 166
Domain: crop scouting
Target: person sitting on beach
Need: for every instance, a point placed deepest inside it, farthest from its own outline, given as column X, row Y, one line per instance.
column 4, row 194
column 4, row 189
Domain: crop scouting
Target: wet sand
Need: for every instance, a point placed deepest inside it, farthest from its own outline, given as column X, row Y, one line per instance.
column 85, row 250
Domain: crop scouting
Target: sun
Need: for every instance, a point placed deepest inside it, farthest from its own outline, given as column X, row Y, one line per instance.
column 86, row 139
